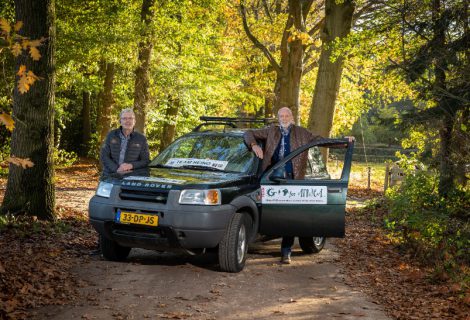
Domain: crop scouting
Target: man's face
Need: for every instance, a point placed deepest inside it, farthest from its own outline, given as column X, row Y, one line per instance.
column 128, row 121
column 285, row 118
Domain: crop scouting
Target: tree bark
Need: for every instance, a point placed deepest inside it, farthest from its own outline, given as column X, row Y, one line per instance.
column 107, row 102
column 169, row 128
column 338, row 20
column 290, row 69
column 31, row 191
column 446, row 168
column 142, row 72
column 86, row 122
column 292, row 56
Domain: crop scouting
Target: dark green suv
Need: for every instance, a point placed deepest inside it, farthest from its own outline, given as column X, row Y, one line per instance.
column 206, row 191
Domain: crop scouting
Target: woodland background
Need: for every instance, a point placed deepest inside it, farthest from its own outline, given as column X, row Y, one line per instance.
column 392, row 73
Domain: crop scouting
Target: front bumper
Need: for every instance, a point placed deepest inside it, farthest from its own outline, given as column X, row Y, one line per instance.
column 180, row 226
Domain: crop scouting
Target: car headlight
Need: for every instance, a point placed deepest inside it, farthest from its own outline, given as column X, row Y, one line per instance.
column 104, row 189
column 209, row 197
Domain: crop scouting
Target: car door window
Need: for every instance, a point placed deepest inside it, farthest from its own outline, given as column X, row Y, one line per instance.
column 317, row 169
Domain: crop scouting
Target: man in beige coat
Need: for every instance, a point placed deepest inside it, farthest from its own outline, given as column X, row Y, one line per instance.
column 279, row 141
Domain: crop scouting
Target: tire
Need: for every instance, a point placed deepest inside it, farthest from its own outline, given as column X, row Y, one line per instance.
column 111, row 250
column 312, row 244
column 234, row 245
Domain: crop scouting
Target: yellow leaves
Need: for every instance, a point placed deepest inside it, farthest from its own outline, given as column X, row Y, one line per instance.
column 7, row 120
column 5, row 26
column 304, row 37
column 25, row 44
column 27, row 79
column 21, row 70
column 33, row 47
column 16, row 49
column 17, row 43
column 24, row 163
column 34, row 52
column 36, row 43
column 18, row 26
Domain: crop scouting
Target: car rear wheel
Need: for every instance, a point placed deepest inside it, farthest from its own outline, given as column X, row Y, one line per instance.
column 111, row 250
column 234, row 245
column 312, row 244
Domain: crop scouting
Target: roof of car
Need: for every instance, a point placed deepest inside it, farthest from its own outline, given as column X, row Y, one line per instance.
column 226, row 131
column 230, row 123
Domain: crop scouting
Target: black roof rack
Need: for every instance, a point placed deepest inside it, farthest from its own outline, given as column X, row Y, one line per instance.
column 232, row 122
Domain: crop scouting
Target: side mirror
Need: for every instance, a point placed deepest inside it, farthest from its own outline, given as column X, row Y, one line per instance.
column 278, row 175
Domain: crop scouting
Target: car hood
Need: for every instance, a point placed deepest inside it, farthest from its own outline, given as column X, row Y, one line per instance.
column 172, row 178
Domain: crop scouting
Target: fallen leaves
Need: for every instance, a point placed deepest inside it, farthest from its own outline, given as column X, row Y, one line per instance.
column 37, row 256
column 374, row 265
column 35, row 268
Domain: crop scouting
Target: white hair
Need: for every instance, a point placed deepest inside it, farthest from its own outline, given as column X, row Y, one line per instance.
column 287, row 109
column 127, row 110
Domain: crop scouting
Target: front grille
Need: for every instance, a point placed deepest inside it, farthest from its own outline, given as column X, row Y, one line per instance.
column 147, row 196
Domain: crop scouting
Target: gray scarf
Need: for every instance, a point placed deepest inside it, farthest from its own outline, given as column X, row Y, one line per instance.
column 284, row 133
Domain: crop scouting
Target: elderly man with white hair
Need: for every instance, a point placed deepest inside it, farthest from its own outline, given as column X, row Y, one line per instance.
column 124, row 149
column 279, row 141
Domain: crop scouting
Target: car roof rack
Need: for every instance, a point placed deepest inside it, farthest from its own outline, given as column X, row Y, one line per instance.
column 231, row 122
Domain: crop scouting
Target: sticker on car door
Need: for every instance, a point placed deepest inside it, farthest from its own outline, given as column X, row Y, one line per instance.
column 294, row 194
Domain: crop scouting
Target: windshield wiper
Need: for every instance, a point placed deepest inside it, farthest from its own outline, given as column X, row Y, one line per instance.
column 192, row 166
column 161, row 166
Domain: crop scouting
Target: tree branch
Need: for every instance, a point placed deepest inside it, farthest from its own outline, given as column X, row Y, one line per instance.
column 266, row 10
column 316, row 27
column 443, row 91
column 310, row 67
column 256, row 42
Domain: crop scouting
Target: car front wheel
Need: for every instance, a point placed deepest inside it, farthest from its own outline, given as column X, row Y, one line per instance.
column 312, row 244
column 234, row 245
column 111, row 250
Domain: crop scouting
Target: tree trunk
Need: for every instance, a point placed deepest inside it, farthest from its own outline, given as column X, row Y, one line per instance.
column 446, row 170
column 108, row 101
column 446, row 177
column 169, row 128
column 287, row 87
column 338, row 19
column 32, row 190
column 86, row 122
column 142, row 77
column 290, row 69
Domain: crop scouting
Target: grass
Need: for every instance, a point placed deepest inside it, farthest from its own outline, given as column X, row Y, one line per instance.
column 359, row 174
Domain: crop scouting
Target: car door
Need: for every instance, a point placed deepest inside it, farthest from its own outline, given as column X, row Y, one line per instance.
column 311, row 207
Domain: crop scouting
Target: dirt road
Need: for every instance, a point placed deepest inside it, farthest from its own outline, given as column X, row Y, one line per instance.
column 152, row 285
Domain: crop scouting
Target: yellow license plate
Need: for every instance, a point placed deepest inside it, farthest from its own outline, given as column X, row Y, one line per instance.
column 137, row 218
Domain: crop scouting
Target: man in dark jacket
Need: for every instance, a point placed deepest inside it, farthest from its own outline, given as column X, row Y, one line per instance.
column 124, row 149
column 280, row 140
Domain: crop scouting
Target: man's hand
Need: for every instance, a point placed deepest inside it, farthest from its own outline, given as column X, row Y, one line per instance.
column 125, row 167
column 258, row 151
column 350, row 138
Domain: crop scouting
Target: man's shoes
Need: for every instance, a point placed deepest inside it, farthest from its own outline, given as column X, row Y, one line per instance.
column 286, row 259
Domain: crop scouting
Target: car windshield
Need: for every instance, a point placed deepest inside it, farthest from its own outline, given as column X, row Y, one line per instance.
column 207, row 152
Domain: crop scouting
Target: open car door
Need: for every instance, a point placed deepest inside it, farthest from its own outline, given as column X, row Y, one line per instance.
column 314, row 206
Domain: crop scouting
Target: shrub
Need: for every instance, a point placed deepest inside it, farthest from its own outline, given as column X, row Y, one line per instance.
column 433, row 228
column 64, row 159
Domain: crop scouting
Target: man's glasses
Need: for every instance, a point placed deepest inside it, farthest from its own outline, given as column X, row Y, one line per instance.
column 125, row 118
